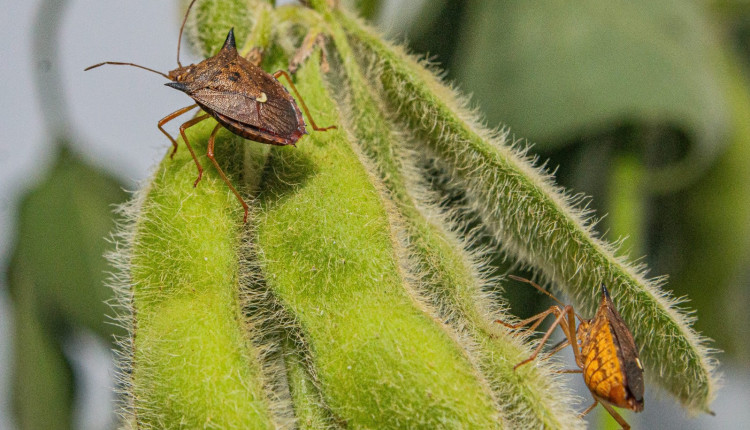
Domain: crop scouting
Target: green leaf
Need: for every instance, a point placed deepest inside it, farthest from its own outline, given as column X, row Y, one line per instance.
column 554, row 70
column 41, row 373
column 62, row 229
column 56, row 278
column 713, row 217
column 368, row 8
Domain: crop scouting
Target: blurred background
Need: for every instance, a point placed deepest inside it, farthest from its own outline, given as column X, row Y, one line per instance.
column 643, row 105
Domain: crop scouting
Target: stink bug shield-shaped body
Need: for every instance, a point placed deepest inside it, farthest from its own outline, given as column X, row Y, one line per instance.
column 604, row 350
column 242, row 98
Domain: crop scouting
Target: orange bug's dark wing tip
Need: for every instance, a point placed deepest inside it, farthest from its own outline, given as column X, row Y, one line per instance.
column 605, row 291
column 637, row 405
column 635, row 385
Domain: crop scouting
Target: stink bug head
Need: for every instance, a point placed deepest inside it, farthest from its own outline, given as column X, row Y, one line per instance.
column 200, row 75
column 181, row 74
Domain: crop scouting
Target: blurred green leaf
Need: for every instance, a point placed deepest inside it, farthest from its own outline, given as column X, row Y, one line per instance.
column 56, row 280
column 41, row 375
column 435, row 30
column 62, row 229
column 628, row 214
column 556, row 71
column 715, row 218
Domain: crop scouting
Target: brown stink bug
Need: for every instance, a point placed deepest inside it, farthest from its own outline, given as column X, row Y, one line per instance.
column 241, row 97
column 604, row 350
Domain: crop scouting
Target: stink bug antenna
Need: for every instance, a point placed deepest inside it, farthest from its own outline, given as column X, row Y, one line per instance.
column 179, row 43
column 117, row 63
column 182, row 27
column 535, row 285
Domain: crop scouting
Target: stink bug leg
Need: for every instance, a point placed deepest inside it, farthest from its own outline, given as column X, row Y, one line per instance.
column 170, row 117
column 210, row 155
column 184, row 127
column 561, row 314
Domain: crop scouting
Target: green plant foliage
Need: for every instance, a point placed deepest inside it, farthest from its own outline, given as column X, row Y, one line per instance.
column 56, row 279
column 342, row 273
column 715, row 254
column 527, row 214
column 550, row 60
column 218, row 16
column 351, row 298
column 46, row 379
column 447, row 276
column 367, row 8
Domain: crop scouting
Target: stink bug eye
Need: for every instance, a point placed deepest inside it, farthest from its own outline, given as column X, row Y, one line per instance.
column 604, row 351
column 239, row 95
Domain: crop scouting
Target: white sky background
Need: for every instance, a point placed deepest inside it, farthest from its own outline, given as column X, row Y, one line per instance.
column 115, row 110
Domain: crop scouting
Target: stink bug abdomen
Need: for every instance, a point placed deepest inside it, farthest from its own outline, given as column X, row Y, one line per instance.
column 260, row 135
column 602, row 367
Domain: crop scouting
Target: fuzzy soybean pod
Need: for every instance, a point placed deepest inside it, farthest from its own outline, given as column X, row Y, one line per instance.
column 327, row 252
column 350, row 298
column 187, row 361
column 533, row 220
column 449, row 277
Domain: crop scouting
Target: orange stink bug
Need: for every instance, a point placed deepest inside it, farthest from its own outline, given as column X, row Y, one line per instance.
column 604, row 350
